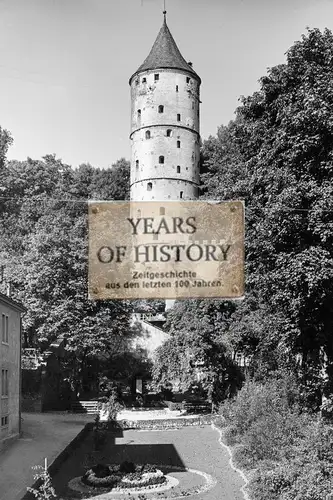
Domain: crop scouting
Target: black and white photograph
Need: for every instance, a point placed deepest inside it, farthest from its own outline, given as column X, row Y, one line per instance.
column 166, row 249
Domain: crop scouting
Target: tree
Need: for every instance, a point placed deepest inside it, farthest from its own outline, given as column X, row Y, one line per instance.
column 196, row 354
column 283, row 139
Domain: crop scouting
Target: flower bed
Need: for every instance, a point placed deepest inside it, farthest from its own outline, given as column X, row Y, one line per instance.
column 125, row 475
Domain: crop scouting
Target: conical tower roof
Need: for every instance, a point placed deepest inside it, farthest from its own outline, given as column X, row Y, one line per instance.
column 165, row 54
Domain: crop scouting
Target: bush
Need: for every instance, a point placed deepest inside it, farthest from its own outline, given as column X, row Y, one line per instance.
column 291, row 450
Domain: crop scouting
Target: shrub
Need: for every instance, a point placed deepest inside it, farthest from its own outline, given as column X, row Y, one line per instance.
column 292, row 451
column 45, row 490
column 230, row 435
column 127, row 467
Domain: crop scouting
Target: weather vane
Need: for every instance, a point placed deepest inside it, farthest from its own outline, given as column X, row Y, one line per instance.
column 164, row 11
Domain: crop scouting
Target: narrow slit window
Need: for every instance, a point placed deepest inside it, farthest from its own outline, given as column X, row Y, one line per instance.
column 161, row 159
column 178, row 117
column 147, row 134
column 137, row 163
column 149, row 186
column 178, row 169
column 161, row 108
column 139, row 113
column 169, row 132
column 178, row 144
column 177, row 88
column 181, row 194
column 188, row 79
column 137, row 81
column 156, row 77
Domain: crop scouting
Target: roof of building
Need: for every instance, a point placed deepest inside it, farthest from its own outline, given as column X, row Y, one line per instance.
column 165, row 54
column 11, row 303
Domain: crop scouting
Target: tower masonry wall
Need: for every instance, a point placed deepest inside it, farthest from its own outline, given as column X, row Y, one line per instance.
column 165, row 135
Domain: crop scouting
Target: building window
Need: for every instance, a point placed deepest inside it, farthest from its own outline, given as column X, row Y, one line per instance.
column 161, row 159
column 178, row 117
column 188, row 79
column 178, row 144
column 139, row 114
column 149, row 186
column 169, row 132
column 4, row 328
column 156, row 77
column 4, row 420
column 181, row 194
column 137, row 163
column 147, row 134
column 4, row 383
column 162, row 211
column 161, row 108
column 144, row 80
column 137, row 81
column 178, row 169
column 177, row 88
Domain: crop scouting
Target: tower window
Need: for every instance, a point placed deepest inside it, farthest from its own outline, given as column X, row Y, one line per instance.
column 178, row 144
column 147, row 134
column 156, row 77
column 177, row 88
column 161, row 159
column 188, row 79
column 161, row 108
column 169, row 132
column 178, row 169
column 162, row 211
column 137, row 81
column 144, row 80
column 149, row 186
column 139, row 113
column 137, row 163
column 178, row 117
column 181, row 194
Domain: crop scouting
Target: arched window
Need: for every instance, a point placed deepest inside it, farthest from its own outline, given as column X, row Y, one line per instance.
column 178, row 144
column 149, row 186
column 161, row 108
column 188, row 79
column 178, row 169
column 169, row 132
column 147, row 134
column 161, row 159
column 137, row 163
column 181, row 194
column 139, row 114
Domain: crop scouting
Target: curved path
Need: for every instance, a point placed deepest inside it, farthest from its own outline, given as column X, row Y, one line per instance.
column 191, row 447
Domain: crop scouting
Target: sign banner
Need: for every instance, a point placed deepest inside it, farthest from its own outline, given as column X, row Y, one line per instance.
column 166, row 250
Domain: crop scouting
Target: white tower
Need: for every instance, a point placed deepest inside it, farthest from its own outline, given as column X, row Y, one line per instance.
column 165, row 124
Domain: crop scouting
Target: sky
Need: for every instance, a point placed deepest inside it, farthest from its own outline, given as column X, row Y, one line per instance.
column 65, row 64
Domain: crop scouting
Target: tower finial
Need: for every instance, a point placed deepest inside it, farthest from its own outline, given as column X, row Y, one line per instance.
column 164, row 11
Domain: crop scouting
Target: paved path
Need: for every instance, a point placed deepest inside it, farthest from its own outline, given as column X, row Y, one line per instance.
column 44, row 436
column 193, row 447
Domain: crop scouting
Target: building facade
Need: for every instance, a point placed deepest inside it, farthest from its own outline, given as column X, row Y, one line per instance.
column 10, row 366
column 165, row 132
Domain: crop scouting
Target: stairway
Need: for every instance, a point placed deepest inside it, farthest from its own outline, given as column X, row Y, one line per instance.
column 89, row 407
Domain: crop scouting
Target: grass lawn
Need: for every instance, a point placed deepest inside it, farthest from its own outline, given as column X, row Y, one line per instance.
column 190, row 447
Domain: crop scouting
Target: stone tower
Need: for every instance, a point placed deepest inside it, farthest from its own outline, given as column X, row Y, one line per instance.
column 165, row 124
